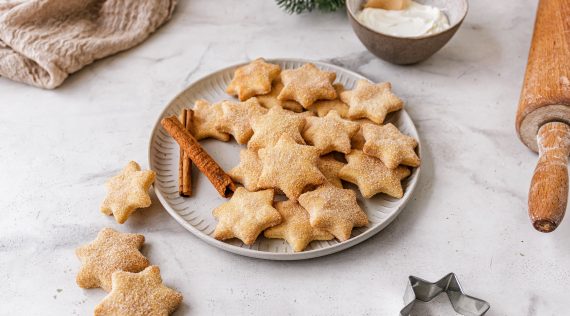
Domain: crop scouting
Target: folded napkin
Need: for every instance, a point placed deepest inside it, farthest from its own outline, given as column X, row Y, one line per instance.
column 43, row 41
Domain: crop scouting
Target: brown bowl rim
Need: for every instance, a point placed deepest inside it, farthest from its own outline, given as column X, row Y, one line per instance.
column 412, row 37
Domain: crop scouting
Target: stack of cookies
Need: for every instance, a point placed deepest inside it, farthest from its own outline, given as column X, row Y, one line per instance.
column 303, row 134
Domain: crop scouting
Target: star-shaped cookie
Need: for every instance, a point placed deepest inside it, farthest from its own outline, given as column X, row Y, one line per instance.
column 389, row 145
column 295, row 228
column 127, row 191
column 330, row 167
column 372, row 176
column 334, row 210
column 204, row 120
column 236, row 118
column 268, row 128
column 323, row 107
column 111, row 251
column 307, row 84
column 248, row 170
column 246, row 215
column 253, row 79
column 372, row 101
column 329, row 133
column 139, row 294
column 270, row 100
column 289, row 167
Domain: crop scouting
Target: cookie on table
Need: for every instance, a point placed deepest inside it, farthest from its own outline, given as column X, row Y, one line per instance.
column 295, row 227
column 307, row 84
column 372, row 176
column 270, row 99
column 290, row 167
column 127, row 191
column 371, row 101
column 246, row 215
column 248, row 170
column 236, row 117
column 329, row 133
column 253, row 79
column 111, row 251
column 204, row 120
column 140, row 293
column 334, row 210
column 268, row 128
column 388, row 144
column 323, row 107
column 330, row 167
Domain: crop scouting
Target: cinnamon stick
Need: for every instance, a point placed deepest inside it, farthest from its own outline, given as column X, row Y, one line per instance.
column 208, row 166
column 185, row 164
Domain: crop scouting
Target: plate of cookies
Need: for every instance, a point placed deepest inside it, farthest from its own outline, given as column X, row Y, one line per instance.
column 285, row 159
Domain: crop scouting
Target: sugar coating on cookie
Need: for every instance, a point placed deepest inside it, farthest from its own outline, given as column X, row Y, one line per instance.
column 127, row 191
column 140, row 293
column 329, row 133
column 253, row 79
column 307, row 84
column 204, row 120
column 371, row 101
column 236, row 118
column 248, row 170
column 268, row 128
column 111, row 251
column 334, row 210
column 389, row 145
column 372, row 176
column 290, row 167
column 295, row 227
column 246, row 215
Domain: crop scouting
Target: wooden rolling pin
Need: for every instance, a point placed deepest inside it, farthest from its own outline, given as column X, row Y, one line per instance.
column 543, row 116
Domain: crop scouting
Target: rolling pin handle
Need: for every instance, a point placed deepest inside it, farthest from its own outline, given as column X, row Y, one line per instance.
column 548, row 194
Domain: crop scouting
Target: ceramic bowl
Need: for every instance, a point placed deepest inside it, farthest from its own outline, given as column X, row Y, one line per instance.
column 408, row 50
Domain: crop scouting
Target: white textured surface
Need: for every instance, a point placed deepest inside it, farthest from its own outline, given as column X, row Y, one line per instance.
column 468, row 214
column 195, row 213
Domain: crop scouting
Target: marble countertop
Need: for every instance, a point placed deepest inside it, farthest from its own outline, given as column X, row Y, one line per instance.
column 468, row 215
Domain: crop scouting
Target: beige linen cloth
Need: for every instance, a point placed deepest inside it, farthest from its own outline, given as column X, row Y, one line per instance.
column 43, row 41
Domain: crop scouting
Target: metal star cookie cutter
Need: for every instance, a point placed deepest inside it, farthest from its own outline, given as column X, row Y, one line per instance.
column 422, row 290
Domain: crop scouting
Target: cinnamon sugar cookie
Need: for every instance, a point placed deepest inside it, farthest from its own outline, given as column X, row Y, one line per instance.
column 268, row 128
column 329, row 133
column 334, row 210
column 289, row 167
column 307, row 84
column 253, row 79
column 323, row 107
column 127, row 191
column 270, row 100
column 236, row 117
column 372, row 176
column 246, row 215
column 389, row 145
column 248, row 170
column 204, row 120
column 295, row 228
column 357, row 141
column 111, row 251
column 372, row 101
column 139, row 294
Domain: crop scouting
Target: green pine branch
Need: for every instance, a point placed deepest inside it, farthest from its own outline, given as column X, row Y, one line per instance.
column 299, row 6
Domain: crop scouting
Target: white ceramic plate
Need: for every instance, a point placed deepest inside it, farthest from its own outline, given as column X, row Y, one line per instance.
column 195, row 213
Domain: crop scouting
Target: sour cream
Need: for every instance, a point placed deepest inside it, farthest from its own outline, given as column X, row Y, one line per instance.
column 416, row 20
